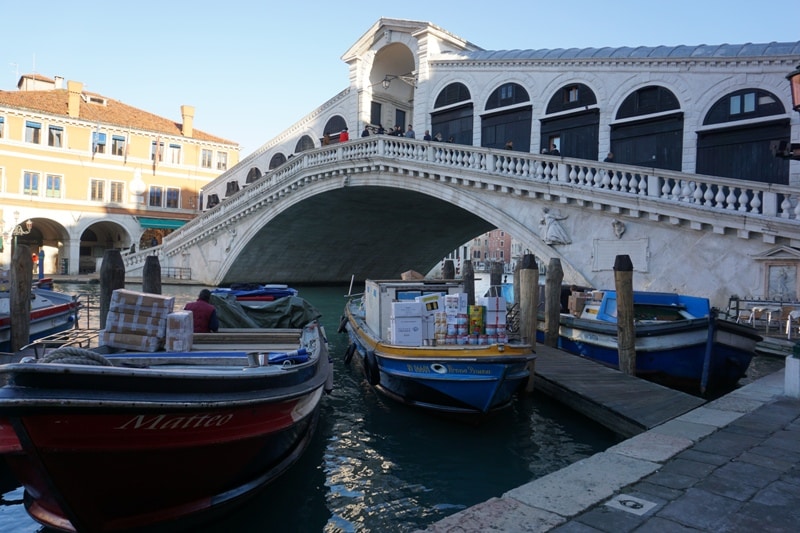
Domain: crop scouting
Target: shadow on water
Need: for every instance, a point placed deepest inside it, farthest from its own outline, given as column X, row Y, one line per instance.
column 375, row 465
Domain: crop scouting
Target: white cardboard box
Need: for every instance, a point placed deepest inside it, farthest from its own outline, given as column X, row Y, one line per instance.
column 406, row 309
column 407, row 331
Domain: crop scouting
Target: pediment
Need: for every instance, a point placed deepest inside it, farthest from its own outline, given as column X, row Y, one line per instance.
column 779, row 253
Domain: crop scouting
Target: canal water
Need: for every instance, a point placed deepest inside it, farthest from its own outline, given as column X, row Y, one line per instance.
column 377, row 466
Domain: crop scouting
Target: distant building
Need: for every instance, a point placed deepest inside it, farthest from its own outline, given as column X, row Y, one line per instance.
column 93, row 173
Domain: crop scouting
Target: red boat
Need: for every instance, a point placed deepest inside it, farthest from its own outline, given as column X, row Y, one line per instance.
column 122, row 441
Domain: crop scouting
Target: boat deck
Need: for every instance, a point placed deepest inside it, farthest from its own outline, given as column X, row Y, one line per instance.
column 625, row 404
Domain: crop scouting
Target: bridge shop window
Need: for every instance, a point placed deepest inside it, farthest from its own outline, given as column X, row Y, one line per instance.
column 574, row 127
column 212, row 201
column 649, row 141
column 333, row 128
column 509, row 119
column 277, row 160
column 254, row 174
column 452, row 115
column 732, row 145
column 305, row 143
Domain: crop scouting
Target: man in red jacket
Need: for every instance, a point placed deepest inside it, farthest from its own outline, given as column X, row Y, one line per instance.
column 204, row 315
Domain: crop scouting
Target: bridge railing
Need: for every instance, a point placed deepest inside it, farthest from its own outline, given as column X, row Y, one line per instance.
column 677, row 188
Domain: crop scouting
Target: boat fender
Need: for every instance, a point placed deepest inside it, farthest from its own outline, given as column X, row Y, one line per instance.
column 342, row 325
column 348, row 354
column 371, row 368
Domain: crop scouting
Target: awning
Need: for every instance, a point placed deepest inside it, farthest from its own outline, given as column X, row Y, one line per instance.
column 161, row 223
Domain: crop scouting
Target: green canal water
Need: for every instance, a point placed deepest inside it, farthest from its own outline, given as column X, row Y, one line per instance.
column 377, row 466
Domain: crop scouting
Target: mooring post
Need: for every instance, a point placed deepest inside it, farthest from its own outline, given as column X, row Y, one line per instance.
column 552, row 302
column 151, row 275
column 112, row 277
column 528, row 303
column 469, row 282
column 448, row 269
column 20, row 304
column 626, row 331
column 496, row 277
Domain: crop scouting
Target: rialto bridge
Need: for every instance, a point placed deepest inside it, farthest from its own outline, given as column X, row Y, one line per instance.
column 380, row 205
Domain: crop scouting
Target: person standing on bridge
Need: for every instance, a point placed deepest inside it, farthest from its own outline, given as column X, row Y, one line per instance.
column 204, row 314
column 410, row 134
column 344, row 136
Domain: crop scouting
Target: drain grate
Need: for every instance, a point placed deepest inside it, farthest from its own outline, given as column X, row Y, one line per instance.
column 630, row 504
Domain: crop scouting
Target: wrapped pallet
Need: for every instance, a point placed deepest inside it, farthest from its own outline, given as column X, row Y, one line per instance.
column 137, row 320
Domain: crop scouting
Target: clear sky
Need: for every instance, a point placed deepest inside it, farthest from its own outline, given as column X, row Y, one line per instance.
column 251, row 68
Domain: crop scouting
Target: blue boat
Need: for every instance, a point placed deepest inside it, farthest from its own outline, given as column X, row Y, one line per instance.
column 458, row 375
column 253, row 294
column 680, row 342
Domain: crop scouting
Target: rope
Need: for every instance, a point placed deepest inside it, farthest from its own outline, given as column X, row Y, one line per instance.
column 72, row 355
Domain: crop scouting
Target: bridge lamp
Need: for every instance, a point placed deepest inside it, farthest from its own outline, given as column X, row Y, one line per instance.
column 794, row 83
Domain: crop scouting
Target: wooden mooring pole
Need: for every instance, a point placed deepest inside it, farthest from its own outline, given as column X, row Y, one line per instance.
column 151, row 275
column 20, row 297
column 469, row 282
column 552, row 302
column 112, row 277
column 528, row 303
column 448, row 269
column 626, row 331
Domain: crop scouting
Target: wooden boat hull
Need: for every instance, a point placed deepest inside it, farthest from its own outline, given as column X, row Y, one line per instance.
column 51, row 312
column 453, row 379
column 158, row 437
column 671, row 353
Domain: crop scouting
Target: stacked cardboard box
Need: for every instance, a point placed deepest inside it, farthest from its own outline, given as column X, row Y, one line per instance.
column 180, row 331
column 136, row 320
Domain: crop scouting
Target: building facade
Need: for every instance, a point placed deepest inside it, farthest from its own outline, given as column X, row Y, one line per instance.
column 92, row 173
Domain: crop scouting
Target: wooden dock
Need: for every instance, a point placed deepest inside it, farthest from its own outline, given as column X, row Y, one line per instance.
column 625, row 404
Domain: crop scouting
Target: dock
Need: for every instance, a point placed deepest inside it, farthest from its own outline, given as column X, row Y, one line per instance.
column 625, row 404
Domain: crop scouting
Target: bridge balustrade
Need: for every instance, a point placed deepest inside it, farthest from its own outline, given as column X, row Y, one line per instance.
column 449, row 162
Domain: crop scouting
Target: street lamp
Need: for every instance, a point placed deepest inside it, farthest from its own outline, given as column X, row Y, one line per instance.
column 794, row 84
column 18, row 230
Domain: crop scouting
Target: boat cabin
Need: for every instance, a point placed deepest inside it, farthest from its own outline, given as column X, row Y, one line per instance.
column 648, row 306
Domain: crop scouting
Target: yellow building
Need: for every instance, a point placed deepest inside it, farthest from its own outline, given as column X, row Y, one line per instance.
column 92, row 173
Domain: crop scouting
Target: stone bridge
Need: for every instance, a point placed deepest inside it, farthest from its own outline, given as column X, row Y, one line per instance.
column 380, row 205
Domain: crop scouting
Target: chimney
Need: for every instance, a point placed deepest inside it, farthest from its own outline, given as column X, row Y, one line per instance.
column 187, row 116
column 74, row 89
column 59, row 82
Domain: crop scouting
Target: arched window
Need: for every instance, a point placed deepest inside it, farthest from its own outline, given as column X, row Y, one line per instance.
column 650, row 141
column 504, row 125
column 334, row 125
column 744, row 104
column 455, row 122
column 452, row 94
column 574, row 130
column 305, row 143
column 648, row 100
column 573, row 96
column 506, row 95
column 740, row 148
column 277, row 160
column 253, row 174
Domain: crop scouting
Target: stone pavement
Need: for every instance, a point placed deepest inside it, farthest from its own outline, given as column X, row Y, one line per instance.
column 732, row 465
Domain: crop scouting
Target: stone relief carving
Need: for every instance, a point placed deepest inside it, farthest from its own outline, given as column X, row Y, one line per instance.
column 552, row 230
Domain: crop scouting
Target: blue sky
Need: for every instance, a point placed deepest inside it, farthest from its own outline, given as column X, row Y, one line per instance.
column 251, row 69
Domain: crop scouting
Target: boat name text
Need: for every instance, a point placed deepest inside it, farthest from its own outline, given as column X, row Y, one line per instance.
column 425, row 369
column 162, row 422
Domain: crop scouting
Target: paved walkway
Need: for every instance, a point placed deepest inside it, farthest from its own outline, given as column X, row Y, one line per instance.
column 732, row 465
